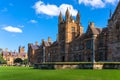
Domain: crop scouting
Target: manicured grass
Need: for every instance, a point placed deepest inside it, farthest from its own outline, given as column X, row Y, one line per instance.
column 26, row 73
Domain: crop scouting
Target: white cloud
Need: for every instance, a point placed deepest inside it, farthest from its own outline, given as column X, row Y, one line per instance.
column 12, row 29
column 64, row 7
column 111, row 1
column 53, row 10
column 33, row 21
column 97, row 3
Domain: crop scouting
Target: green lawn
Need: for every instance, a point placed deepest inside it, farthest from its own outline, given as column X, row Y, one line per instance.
column 26, row 73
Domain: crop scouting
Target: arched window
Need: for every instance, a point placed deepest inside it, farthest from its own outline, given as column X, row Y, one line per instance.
column 117, row 26
column 73, row 29
column 118, row 30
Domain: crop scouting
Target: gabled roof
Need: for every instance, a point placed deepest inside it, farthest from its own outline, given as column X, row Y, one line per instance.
column 54, row 44
column 92, row 30
column 99, row 29
column 46, row 43
column 34, row 47
column 118, row 6
column 14, row 54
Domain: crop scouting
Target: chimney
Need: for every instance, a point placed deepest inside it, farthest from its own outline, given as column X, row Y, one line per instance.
column 49, row 39
column 42, row 41
column 6, row 49
column 36, row 43
column 91, row 24
column 29, row 44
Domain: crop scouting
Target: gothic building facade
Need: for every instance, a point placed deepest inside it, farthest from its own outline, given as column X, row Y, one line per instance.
column 114, row 35
column 73, row 45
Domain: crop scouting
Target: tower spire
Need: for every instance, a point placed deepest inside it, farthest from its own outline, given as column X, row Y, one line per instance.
column 67, row 15
column 60, row 17
column 78, row 17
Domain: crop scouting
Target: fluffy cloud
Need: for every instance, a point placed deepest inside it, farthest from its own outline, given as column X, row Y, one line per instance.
column 111, row 1
column 12, row 29
column 53, row 10
column 33, row 21
column 97, row 3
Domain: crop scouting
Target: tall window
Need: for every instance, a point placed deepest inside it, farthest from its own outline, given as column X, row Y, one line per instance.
column 73, row 29
column 117, row 26
column 117, row 31
column 89, row 44
column 101, row 42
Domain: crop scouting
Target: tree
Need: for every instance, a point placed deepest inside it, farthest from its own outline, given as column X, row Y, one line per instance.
column 18, row 60
column 25, row 61
column 2, row 61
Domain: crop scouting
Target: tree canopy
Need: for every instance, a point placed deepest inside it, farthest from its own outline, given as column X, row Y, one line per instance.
column 18, row 60
column 25, row 61
column 2, row 61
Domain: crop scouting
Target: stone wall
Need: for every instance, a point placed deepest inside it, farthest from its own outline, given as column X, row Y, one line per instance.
column 78, row 66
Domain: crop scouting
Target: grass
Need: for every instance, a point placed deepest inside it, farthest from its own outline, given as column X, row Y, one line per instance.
column 27, row 73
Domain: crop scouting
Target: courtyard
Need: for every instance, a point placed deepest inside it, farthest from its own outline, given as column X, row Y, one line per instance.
column 28, row 73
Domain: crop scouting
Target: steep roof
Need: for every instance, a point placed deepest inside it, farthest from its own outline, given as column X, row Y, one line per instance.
column 92, row 29
column 46, row 43
column 118, row 6
column 34, row 47
column 14, row 54
column 54, row 44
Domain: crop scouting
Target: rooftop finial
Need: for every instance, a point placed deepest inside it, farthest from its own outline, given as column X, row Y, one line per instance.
column 78, row 17
column 60, row 17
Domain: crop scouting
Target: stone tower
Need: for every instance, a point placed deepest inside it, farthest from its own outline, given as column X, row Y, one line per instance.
column 21, row 49
column 68, row 30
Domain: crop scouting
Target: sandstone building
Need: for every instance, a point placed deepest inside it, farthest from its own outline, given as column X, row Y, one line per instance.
column 73, row 45
column 10, row 56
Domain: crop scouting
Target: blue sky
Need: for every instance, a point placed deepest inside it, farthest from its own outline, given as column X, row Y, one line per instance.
column 27, row 21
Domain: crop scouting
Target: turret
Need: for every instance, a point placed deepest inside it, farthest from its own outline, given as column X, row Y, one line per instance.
column 78, row 18
column 49, row 39
column 91, row 24
column 6, row 49
column 67, row 15
column 110, row 14
column 42, row 41
column 21, row 49
column 60, row 18
column 36, row 43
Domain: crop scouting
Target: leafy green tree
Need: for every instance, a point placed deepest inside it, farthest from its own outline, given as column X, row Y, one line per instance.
column 18, row 60
column 25, row 61
column 2, row 61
